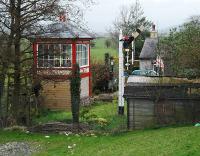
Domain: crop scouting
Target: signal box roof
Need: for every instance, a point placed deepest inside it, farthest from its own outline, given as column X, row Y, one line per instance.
column 65, row 31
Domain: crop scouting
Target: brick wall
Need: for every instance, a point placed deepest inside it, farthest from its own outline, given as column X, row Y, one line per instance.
column 56, row 95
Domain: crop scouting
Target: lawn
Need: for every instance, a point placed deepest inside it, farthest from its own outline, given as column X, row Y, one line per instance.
column 180, row 141
column 107, row 111
column 98, row 52
column 173, row 141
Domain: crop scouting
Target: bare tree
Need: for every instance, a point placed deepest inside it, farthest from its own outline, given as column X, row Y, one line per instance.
column 130, row 18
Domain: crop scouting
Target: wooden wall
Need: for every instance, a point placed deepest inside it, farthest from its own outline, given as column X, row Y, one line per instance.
column 56, row 95
column 157, row 105
column 146, row 113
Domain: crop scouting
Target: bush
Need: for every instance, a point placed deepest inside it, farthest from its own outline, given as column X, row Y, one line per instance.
column 92, row 118
column 100, row 77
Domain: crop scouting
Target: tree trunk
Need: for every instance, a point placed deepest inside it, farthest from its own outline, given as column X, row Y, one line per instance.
column 2, row 83
column 16, row 109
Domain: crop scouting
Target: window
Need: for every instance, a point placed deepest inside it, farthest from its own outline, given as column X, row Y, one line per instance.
column 54, row 55
column 82, row 54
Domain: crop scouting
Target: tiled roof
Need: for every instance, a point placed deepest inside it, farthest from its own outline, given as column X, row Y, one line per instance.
column 64, row 30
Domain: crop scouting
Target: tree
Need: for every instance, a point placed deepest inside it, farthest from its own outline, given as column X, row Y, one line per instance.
column 75, row 92
column 20, row 19
column 130, row 18
column 107, row 43
column 182, row 50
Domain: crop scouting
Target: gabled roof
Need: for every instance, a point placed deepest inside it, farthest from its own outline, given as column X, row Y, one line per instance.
column 64, row 30
column 149, row 49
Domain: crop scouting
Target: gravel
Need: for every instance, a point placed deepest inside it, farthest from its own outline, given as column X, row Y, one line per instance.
column 15, row 149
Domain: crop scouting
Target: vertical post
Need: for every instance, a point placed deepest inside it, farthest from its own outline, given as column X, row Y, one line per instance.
column 73, row 53
column 133, row 52
column 127, row 60
column 121, row 77
column 90, row 75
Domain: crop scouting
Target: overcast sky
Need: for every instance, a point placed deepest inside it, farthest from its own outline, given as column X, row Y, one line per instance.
column 164, row 13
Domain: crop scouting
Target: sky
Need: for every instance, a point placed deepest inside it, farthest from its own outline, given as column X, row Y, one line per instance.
column 164, row 13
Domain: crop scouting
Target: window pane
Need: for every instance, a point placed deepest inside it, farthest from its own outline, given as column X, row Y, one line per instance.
column 40, row 62
column 46, row 51
column 51, row 50
column 57, row 62
column 66, row 55
column 40, row 55
column 54, row 55
column 40, row 51
column 46, row 64
column 51, row 63
column 82, row 54
column 57, row 49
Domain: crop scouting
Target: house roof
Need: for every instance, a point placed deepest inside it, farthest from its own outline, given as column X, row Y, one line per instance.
column 64, row 30
column 149, row 49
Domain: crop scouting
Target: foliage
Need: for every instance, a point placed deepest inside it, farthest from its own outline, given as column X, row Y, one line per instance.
column 92, row 118
column 182, row 48
column 92, row 43
column 100, row 76
column 108, row 43
column 85, row 116
column 75, row 84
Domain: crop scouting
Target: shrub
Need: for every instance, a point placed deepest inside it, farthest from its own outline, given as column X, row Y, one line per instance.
column 75, row 83
column 100, row 77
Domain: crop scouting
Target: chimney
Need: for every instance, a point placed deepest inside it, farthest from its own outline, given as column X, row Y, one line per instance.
column 153, row 33
column 62, row 17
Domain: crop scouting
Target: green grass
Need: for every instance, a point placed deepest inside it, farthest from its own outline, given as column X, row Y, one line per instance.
column 179, row 141
column 104, row 110
column 173, row 141
column 52, row 116
column 97, row 53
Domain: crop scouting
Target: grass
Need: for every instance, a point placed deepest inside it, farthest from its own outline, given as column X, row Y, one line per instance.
column 97, row 53
column 107, row 111
column 174, row 141
column 52, row 116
